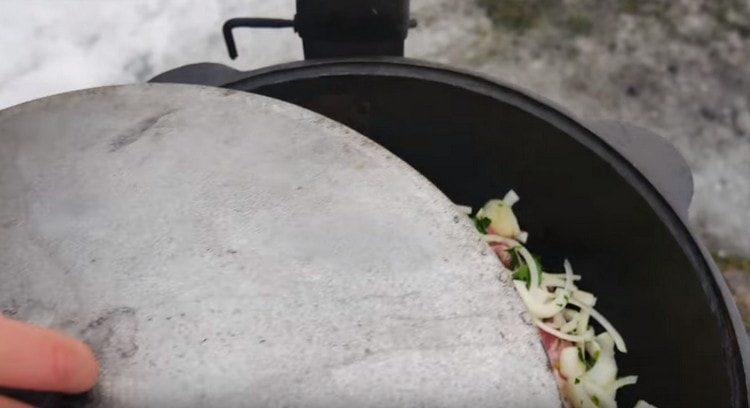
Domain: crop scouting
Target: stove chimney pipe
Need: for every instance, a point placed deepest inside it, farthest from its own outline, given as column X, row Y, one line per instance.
column 350, row 28
column 340, row 28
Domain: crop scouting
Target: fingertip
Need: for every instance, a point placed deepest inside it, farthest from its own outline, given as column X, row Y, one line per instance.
column 89, row 369
column 36, row 358
column 74, row 366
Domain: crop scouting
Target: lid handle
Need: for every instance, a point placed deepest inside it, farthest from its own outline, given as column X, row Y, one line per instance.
column 654, row 156
column 250, row 22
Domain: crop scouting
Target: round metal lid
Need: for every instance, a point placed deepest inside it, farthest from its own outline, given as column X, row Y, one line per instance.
column 217, row 248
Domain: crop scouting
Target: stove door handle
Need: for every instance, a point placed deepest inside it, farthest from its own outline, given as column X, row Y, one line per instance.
column 249, row 22
column 654, row 156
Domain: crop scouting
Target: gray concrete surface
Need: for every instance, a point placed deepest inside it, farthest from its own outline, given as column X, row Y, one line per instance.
column 218, row 248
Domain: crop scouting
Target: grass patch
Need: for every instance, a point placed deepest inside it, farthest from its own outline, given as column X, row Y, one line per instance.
column 515, row 15
column 519, row 16
column 732, row 262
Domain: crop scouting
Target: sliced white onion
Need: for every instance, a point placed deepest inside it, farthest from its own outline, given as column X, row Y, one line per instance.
column 535, row 303
column 606, row 400
column 569, row 313
column 571, row 325
column 502, row 240
column 623, row 381
column 552, row 281
column 522, row 237
column 550, row 296
column 584, row 297
column 583, row 321
column 531, row 263
column 580, row 398
column 557, row 321
column 570, row 365
column 568, row 276
column 643, row 404
column 594, row 349
column 560, row 276
column 510, row 198
column 562, row 336
column 604, row 371
column 619, row 342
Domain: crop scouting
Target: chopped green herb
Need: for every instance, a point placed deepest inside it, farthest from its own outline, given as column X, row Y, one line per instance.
column 482, row 223
column 519, row 267
column 515, row 257
column 538, row 261
column 595, row 400
column 522, row 273
column 578, row 380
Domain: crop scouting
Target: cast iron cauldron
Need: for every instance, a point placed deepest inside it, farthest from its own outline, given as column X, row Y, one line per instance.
column 610, row 197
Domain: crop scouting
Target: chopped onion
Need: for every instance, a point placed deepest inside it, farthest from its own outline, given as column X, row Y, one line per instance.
column 510, row 198
column 593, row 348
column 552, row 281
column 584, row 297
column 560, row 276
column 557, row 321
column 554, row 296
column 562, row 336
column 502, row 240
column 581, row 398
column 604, row 371
column 522, row 237
column 619, row 342
column 571, row 365
column 568, row 276
column 583, row 321
column 571, row 325
column 623, row 381
column 535, row 301
column 605, row 399
column 569, row 313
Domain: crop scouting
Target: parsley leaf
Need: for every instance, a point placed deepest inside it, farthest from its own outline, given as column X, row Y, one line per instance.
column 522, row 273
column 520, row 269
column 515, row 258
column 482, row 223
column 538, row 261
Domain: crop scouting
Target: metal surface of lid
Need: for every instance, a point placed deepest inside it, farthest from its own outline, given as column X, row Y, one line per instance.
column 217, row 248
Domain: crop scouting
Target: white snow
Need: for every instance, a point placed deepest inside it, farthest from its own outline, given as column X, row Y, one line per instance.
column 50, row 46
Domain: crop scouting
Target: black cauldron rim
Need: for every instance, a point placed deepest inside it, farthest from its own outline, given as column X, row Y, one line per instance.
column 670, row 206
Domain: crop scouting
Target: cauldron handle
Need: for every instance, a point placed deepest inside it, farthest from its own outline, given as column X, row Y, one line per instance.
column 654, row 156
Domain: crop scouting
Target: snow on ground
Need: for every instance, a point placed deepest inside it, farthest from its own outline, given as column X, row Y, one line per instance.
column 51, row 46
column 686, row 84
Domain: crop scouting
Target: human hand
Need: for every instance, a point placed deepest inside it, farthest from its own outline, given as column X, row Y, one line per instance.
column 39, row 359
